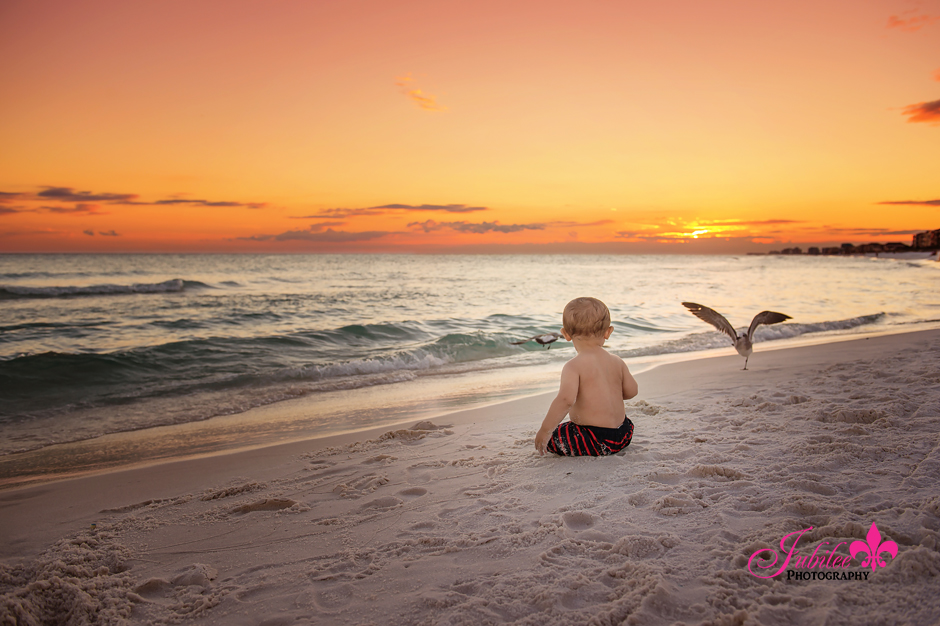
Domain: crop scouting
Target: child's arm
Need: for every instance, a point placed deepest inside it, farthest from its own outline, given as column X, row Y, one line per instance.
column 567, row 394
column 630, row 388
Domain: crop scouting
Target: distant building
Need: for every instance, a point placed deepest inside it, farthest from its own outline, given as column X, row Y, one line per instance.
column 896, row 246
column 929, row 240
column 865, row 248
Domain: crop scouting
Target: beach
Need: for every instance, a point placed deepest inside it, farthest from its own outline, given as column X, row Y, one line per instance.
column 287, row 291
column 457, row 520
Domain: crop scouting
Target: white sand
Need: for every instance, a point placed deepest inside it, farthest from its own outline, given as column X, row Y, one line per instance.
column 461, row 522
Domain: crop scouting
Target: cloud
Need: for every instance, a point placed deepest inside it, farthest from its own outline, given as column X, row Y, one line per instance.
column 678, row 230
column 755, row 222
column 426, row 101
column 7, row 196
column 67, row 194
column 387, row 208
column 29, row 233
column 340, row 213
column 79, row 209
column 641, row 235
column 209, row 203
column 672, row 238
column 328, row 236
column 8, row 210
column 859, row 231
column 323, row 226
column 563, row 224
column 917, row 202
column 928, row 112
column 448, row 208
column 687, row 238
column 911, row 24
column 109, row 233
column 732, row 223
column 89, row 232
column 495, row 227
column 483, row 227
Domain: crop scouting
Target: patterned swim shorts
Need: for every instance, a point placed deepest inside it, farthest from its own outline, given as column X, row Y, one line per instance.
column 570, row 439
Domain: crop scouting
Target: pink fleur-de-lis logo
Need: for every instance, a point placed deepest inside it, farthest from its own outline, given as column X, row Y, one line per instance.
column 874, row 548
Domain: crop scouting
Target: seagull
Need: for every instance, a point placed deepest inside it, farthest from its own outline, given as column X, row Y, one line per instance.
column 543, row 340
column 742, row 344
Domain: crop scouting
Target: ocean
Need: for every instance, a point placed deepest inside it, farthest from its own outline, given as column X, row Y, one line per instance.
column 108, row 360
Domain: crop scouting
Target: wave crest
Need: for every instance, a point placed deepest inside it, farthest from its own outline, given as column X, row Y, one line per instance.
column 17, row 292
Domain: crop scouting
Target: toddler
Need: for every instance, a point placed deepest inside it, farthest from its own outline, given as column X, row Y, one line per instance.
column 594, row 385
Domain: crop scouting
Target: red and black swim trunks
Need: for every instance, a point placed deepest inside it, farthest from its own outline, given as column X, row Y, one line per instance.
column 570, row 439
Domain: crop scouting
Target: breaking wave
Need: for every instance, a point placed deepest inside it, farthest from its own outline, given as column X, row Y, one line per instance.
column 176, row 285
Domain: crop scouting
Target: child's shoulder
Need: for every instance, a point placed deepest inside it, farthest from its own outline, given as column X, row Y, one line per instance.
column 609, row 361
column 614, row 357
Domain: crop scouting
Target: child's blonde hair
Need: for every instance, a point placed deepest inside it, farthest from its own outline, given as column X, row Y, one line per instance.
column 586, row 317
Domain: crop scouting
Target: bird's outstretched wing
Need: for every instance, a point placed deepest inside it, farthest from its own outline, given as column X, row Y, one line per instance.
column 713, row 317
column 543, row 338
column 765, row 317
column 519, row 343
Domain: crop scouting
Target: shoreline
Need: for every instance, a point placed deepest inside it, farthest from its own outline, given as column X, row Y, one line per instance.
column 218, row 435
column 459, row 518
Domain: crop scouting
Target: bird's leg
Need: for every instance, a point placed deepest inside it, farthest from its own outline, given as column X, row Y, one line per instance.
column 745, row 362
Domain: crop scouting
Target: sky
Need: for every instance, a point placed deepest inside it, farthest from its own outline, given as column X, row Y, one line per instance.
column 615, row 126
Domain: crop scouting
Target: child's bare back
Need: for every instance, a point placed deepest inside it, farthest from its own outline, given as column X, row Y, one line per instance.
column 593, row 386
column 603, row 383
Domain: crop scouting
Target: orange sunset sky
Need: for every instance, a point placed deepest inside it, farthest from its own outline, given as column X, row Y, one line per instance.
column 466, row 126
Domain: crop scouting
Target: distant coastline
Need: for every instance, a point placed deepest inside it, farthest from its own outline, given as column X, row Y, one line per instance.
column 923, row 245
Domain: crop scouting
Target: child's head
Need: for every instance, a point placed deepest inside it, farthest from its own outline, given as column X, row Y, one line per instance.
column 586, row 317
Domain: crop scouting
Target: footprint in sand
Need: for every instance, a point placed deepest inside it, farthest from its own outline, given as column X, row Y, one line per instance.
column 353, row 566
column 578, row 520
column 189, row 592
column 679, row 504
column 360, row 485
column 641, row 547
column 335, row 597
column 580, row 525
column 196, row 574
column 387, row 502
column 413, row 492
